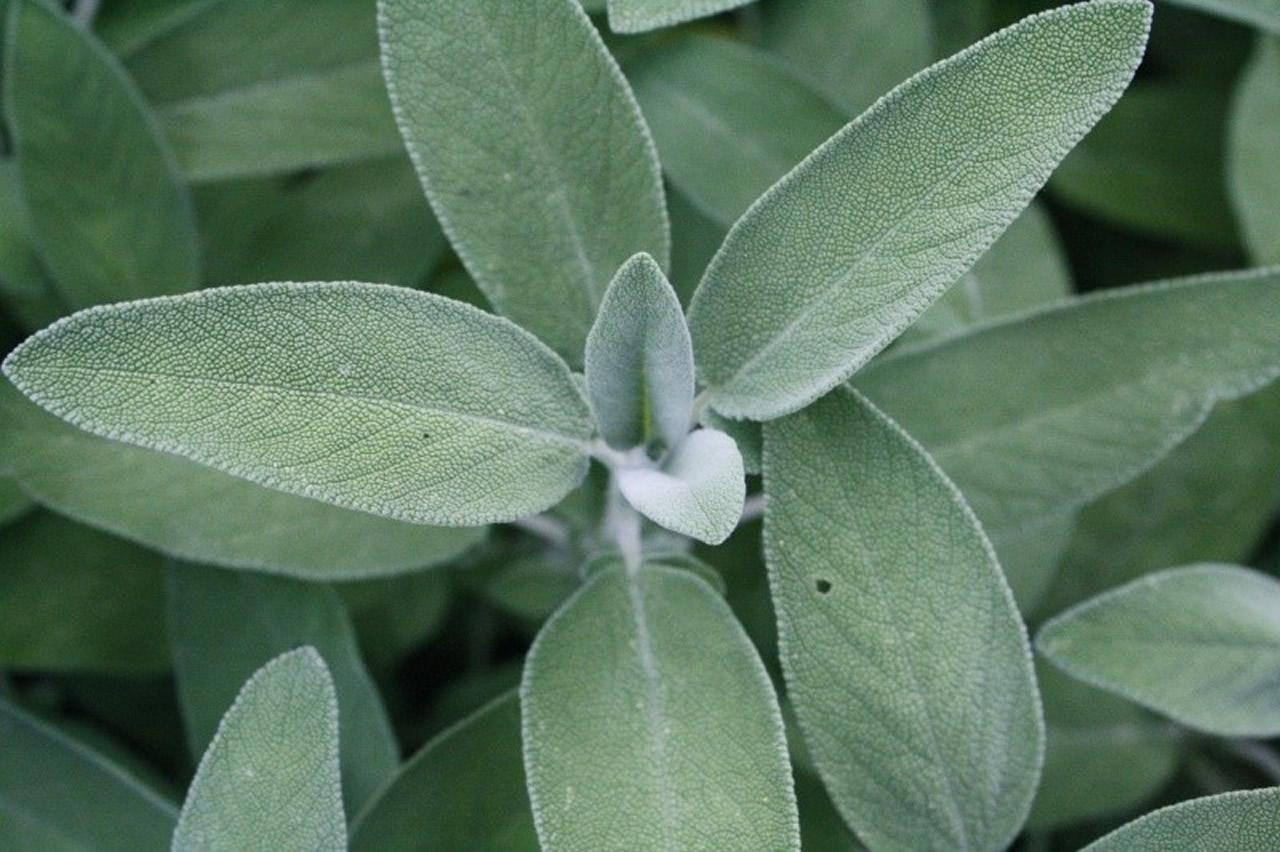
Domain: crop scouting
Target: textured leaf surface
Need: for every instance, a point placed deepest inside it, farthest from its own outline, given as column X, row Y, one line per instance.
column 225, row 625
column 639, row 359
column 1254, row 150
column 376, row 398
column 649, row 722
column 1259, row 13
column 1229, row 822
column 1199, row 644
column 633, row 16
column 851, row 246
column 75, row 599
column 269, row 780
column 56, row 794
column 898, row 635
column 108, row 213
column 698, row 491
column 1090, row 393
column 190, row 511
column 532, row 150
column 463, row 790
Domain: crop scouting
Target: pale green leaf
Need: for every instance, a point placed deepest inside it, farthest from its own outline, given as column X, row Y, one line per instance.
column 1229, row 822
column 394, row 615
column 834, row 261
column 25, row 288
column 75, row 599
column 745, row 433
column 635, row 16
column 225, row 625
column 56, row 794
column 532, row 151
column 532, row 587
column 1259, row 13
column 639, row 360
column 1030, row 557
column 464, row 790
column 728, row 120
column 1090, row 393
column 1254, row 151
column 374, row 398
column 191, row 511
column 269, row 780
column 694, row 240
column 898, row 635
column 1199, row 644
column 108, row 214
column 649, row 722
column 698, row 490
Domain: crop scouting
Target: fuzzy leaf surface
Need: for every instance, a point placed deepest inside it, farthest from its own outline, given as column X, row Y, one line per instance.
column 1254, row 150
column 635, row 16
column 1229, row 822
column 698, row 491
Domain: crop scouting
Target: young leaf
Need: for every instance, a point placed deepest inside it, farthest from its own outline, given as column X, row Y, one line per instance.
column 636, row 16
column 270, row 777
column 639, row 359
column 374, row 398
column 834, row 261
column 1090, row 393
column 746, row 434
column 1230, row 822
column 536, row 160
column 110, row 218
column 1199, row 644
column 75, row 599
column 729, row 120
column 190, row 511
column 898, row 635
column 1254, row 149
column 224, row 625
column 650, row 722
column 698, row 491
column 463, row 790
column 56, row 793
column 1259, row 13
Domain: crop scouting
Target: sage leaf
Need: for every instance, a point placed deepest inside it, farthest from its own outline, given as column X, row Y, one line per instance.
column 1198, row 644
column 14, row 502
column 74, row 599
column 898, row 635
column 1091, row 392
column 374, row 398
column 109, row 216
column 1254, row 149
column 1229, row 822
column 269, row 780
column 804, row 291
column 25, row 288
column 694, row 240
column 193, row 512
column 745, row 433
column 394, row 615
column 728, row 120
column 538, row 163
column 225, row 625
column 465, row 789
column 698, row 491
column 57, row 794
column 634, row 16
column 1259, row 13
column 649, row 721
column 639, row 359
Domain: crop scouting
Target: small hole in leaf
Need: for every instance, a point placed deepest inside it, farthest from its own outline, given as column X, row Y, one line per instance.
column 823, row 586
column 426, row 436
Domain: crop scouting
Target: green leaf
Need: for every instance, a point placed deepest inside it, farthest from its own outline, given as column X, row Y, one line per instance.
column 75, row 599
column 649, row 722
column 745, row 433
column 463, row 790
column 532, row 587
column 729, row 120
column 1254, row 149
column 25, row 288
column 1259, row 13
column 193, row 512
column 898, row 635
column 269, row 780
column 694, row 240
column 636, row 16
column 698, row 491
column 14, row 502
column 1198, row 644
column 374, row 398
column 394, row 615
column 536, row 160
column 1230, row 822
column 1030, row 557
column 57, row 794
column 639, row 359
column 1103, row 755
column 108, row 214
column 834, row 261
column 225, row 625
column 1090, row 394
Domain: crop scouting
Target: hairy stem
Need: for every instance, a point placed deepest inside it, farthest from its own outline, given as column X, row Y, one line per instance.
column 549, row 528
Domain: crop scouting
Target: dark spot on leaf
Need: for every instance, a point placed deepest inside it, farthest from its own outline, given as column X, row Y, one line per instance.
column 426, row 436
column 823, row 586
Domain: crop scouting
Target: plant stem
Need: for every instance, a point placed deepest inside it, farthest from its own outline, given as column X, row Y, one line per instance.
column 85, row 11
column 546, row 527
column 699, row 404
column 622, row 525
column 752, row 509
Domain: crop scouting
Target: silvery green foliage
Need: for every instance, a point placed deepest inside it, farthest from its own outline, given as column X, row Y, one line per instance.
column 1255, row 147
column 1259, row 13
column 633, row 16
column 1228, row 822
column 698, row 491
